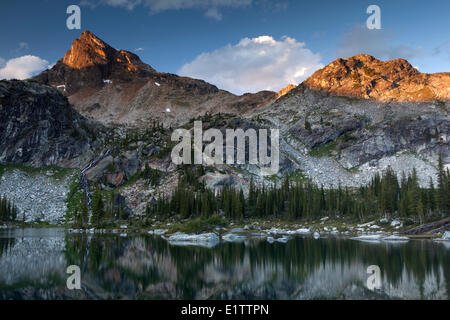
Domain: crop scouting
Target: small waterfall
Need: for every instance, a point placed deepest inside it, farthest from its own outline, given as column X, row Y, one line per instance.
column 84, row 182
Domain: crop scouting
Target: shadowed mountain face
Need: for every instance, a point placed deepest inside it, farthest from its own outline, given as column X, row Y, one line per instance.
column 364, row 76
column 116, row 86
column 40, row 128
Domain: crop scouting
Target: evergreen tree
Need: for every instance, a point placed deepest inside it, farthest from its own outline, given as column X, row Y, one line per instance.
column 383, row 196
column 8, row 211
column 442, row 192
column 98, row 208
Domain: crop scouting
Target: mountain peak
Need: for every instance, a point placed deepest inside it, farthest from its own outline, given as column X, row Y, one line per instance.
column 366, row 77
column 88, row 35
column 363, row 57
column 88, row 50
column 91, row 51
column 90, row 62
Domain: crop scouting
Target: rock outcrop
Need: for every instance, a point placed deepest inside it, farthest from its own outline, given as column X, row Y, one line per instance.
column 387, row 81
column 39, row 127
column 341, row 139
column 286, row 90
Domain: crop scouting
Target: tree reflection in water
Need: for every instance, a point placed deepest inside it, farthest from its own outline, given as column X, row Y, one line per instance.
column 145, row 267
column 33, row 266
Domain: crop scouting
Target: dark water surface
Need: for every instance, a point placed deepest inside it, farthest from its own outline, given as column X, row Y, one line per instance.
column 33, row 265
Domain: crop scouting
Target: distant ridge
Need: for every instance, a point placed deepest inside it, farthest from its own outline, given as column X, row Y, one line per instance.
column 367, row 77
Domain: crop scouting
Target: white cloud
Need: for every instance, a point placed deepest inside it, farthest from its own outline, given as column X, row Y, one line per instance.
column 2, row 61
column 378, row 43
column 213, row 13
column 252, row 65
column 211, row 7
column 22, row 67
column 128, row 4
column 162, row 5
column 23, row 46
column 272, row 5
column 138, row 49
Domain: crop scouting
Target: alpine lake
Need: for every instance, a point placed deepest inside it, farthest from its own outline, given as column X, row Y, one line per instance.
column 34, row 262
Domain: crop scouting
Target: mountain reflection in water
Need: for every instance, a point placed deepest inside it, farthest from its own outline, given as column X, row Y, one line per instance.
column 33, row 265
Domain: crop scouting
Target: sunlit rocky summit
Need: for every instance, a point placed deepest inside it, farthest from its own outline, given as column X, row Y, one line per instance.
column 90, row 62
column 388, row 81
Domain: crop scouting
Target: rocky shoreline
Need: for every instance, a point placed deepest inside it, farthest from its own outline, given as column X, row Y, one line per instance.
column 279, row 232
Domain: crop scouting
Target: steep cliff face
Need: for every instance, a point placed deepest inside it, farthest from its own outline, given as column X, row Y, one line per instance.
column 346, row 139
column 39, row 127
column 387, row 81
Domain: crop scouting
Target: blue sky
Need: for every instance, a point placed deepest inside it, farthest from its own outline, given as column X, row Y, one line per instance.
column 173, row 35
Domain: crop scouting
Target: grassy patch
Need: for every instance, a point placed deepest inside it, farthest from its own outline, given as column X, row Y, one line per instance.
column 57, row 172
column 324, row 150
column 298, row 176
column 74, row 198
column 353, row 170
column 199, row 225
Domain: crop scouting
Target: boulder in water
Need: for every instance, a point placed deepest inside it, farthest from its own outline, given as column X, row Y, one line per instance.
column 369, row 237
column 303, row 231
column 284, row 239
column 231, row 237
column 395, row 238
column 445, row 236
column 203, row 240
